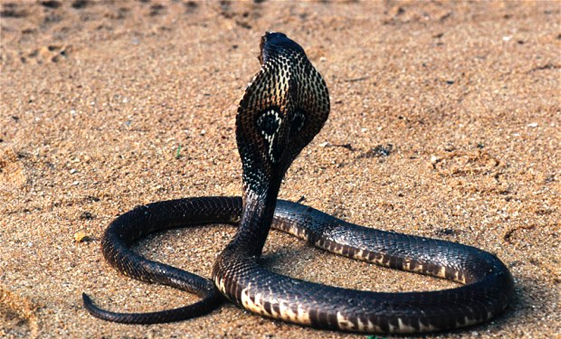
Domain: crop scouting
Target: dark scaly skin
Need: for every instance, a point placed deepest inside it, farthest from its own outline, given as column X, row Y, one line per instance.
column 143, row 220
column 282, row 110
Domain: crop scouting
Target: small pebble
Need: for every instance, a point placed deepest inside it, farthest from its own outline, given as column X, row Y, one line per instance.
column 81, row 236
column 434, row 159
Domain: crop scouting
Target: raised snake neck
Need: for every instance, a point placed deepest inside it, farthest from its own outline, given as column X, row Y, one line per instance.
column 282, row 110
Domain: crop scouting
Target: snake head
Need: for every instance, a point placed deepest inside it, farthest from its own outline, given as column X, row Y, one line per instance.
column 283, row 108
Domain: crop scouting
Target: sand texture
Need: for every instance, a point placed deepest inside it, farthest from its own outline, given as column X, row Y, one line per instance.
column 445, row 122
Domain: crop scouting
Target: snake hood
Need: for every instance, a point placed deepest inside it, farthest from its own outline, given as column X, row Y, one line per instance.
column 283, row 108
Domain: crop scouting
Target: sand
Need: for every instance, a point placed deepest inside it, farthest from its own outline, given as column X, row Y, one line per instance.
column 97, row 98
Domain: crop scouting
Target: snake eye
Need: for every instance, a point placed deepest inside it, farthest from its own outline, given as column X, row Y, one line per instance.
column 269, row 123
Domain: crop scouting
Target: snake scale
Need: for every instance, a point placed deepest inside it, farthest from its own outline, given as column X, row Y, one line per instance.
column 283, row 108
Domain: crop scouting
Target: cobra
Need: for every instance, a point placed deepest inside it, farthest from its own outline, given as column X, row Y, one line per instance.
column 283, row 108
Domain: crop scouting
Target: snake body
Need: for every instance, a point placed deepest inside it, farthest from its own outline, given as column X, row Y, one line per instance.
column 283, row 108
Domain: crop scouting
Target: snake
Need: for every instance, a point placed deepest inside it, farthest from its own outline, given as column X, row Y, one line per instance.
column 283, row 108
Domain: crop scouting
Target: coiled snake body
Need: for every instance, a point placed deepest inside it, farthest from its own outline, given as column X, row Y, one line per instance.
column 282, row 110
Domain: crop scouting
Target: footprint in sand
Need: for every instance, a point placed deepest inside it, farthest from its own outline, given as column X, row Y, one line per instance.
column 12, row 172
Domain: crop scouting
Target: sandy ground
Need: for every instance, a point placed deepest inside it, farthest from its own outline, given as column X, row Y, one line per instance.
column 98, row 97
